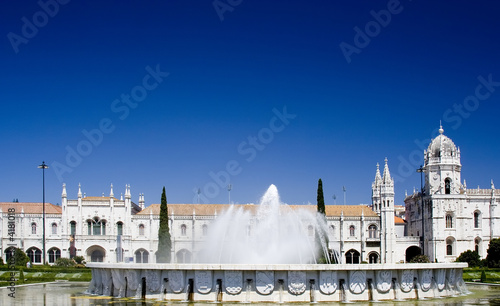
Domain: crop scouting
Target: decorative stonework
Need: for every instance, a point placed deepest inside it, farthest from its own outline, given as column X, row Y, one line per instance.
column 153, row 280
column 233, row 281
column 176, row 280
column 296, row 282
column 440, row 279
column 203, row 281
column 264, row 282
column 118, row 281
column 328, row 282
column 384, row 280
column 426, row 279
column 132, row 282
column 406, row 280
column 451, row 276
column 106, row 282
column 357, row 281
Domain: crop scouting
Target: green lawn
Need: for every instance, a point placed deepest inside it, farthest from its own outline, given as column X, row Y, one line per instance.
column 44, row 274
column 474, row 275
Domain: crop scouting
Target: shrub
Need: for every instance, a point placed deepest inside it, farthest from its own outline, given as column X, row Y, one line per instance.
column 20, row 258
column 483, row 277
column 79, row 260
column 65, row 262
column 470, row 257
column 420, row 259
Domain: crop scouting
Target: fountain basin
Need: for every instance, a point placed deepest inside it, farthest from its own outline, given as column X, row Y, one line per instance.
column 277, row 282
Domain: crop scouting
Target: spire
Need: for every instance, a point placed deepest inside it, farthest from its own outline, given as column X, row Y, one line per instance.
column 79, row 190
column 141, row 201
column 127, row 192
column 377, row 174
column 111, row 194
column 441, row 131
column 387, row 175
column 492, row 185
column 64, row 194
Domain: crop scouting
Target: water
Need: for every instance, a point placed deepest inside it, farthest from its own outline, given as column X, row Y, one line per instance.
column 62, row 294
column 272, row 233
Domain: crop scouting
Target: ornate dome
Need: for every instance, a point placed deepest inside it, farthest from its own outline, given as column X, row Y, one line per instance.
column 442, row 146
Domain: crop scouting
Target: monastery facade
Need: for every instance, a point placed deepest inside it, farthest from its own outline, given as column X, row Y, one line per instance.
column 108, row 229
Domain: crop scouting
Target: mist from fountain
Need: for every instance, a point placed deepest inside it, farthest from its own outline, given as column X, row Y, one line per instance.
column 273, row 234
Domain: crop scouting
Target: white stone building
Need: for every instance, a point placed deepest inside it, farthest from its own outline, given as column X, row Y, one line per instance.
column 450, row 218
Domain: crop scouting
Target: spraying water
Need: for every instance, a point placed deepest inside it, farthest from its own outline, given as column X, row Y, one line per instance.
column 269, row 233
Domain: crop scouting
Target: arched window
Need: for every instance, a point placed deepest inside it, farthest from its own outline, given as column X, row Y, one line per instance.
column 72, row 226
column 96, row 226
column 352, row 257
column 477, row 219
column 204, row 229
column 141, row 256
column 450, row 241
column 372, row 231
column 373, row 257
column 33, row 228
column 9, row 252
column 447, row 185
column 54, row 229
column 34, row 254
column 477, row 246
column 119, row 228
column 141, row 229
column 449, row 221
column 54, row 254
column 310, row 230
column 352, row 231
column 183, row 229
column 183, row 256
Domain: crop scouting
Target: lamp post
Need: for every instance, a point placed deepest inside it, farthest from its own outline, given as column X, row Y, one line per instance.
column 43, row 166
column 229, row 187
column 421, row 171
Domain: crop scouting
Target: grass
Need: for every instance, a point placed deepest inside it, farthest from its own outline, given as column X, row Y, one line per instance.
column 474, row 275
column 46, row 274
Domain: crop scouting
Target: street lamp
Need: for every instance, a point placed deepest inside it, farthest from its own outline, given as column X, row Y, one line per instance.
column 229, row 187
column 43, row 166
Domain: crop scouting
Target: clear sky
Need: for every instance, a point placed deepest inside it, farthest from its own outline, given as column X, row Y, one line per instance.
column 190, row 94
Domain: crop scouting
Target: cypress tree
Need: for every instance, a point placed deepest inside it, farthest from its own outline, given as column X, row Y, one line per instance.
column 321, row 235
column 164, row 240
column 321, row 198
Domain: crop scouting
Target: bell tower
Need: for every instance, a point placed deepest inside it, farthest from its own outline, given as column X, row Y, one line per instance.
column 442, row 166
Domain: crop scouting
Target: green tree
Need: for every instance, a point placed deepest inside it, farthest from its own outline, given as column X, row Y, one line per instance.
column 164, row 240
column 470, row 257
column 320, row 234
column 20, row 258
column 493, row 257
column 321, row 198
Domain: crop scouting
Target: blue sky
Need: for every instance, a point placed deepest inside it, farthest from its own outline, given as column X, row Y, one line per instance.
column 324, row 89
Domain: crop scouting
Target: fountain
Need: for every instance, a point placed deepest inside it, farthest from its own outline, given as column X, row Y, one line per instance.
column 271, row 256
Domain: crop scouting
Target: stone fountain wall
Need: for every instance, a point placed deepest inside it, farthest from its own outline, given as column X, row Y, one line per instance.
column 277, row 283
